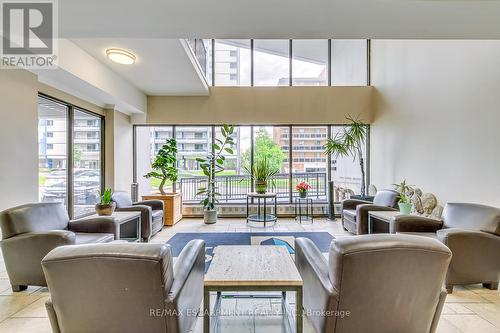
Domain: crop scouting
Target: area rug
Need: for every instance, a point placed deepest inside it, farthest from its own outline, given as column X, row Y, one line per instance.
column 214, row 239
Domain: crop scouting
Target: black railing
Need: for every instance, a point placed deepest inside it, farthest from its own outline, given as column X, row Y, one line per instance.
column 236, row 187
column 200, row 52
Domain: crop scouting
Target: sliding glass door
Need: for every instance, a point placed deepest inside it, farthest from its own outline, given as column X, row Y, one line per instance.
column 70, row 156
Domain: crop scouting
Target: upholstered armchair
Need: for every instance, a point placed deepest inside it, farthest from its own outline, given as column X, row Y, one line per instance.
column 374, row 283
column 151, row 213
column 355, row 212
column 472, row 232
column 30, row 231
column 124, row 287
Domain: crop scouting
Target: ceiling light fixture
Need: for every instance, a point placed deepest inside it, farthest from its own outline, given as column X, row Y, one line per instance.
column 121, row 56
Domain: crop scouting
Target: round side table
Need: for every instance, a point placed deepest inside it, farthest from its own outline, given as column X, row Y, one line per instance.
column 262, row 205
column 301, row 213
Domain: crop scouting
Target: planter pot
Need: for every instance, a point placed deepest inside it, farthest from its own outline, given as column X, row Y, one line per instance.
column 172, row 203
column 105, row 210
column 260, row 186
column 405, row 208
column 303, row 194
column 209, row 216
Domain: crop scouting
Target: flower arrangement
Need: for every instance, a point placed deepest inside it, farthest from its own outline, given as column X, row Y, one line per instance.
column 302, row 188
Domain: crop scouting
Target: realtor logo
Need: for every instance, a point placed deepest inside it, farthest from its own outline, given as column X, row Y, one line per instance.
column 28, row 32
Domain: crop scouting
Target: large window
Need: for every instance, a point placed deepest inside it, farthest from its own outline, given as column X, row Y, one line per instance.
column 349, row 62
column 271, row 62
column 87, row 173
column 232, row 62
column 305, row 162
column 76, row 184
column 52, row 151
column 310, row 62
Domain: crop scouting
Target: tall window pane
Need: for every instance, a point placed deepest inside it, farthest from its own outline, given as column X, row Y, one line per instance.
column 207, row 66
column 232, row 62
column 349, row 62
column 271, row 62
column 192, row 142
column 309, row 163
column 346, row 172
column 86, row 162
column 148, row 141
column 52, row 151
column 310, row 62
column 272, row 143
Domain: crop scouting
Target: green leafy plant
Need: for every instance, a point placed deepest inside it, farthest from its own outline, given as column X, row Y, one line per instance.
column 404, row 190
column 349, row 142
column 164, row 165
column 264, row 147
column 214, row 164
column 105, row 197
column 262, row 172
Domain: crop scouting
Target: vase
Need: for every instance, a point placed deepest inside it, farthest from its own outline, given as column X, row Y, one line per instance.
column 404, row 208
column 303, row 194
column 209, row 216
column 260, row 186
column 105, row 210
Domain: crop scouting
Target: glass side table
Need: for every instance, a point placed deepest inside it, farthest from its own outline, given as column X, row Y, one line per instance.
column 304, row 209
column 262, row 207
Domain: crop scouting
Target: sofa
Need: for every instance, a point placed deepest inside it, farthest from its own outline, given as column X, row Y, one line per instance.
column 152, row 214
column 355, row 212
column 31, row 231
column 472, row 232
column 120, row 288
column 374, row 283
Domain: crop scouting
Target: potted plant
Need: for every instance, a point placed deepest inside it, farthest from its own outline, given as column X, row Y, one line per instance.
column 302, row 188
column 350, row 142
column 105, row 207
column 405, row 191
column 211, row 166
column 262, row 172
column 404, row 204
column 164, row 168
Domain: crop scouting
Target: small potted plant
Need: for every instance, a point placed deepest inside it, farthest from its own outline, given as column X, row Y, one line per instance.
column 105, row 207
column 404, row 204
column 262, row 172
column 405, row 191
column 302, row 188
column 211, row 166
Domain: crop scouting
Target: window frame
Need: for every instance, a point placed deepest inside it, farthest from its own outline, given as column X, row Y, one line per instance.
column 70, row 116
column 289, row 152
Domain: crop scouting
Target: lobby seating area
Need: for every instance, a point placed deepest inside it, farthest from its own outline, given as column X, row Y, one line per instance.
column 249, row 167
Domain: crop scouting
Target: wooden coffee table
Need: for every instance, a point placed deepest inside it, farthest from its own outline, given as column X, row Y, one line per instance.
column 129, row 224
column 252, row 268
column 382, row 215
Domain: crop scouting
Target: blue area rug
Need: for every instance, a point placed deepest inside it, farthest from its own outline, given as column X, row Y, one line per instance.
column 214, row 239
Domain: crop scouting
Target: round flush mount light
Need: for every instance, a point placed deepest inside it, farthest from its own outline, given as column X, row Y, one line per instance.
column 120, row 56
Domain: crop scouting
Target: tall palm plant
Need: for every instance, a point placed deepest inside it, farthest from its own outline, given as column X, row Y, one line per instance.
column 350, row 142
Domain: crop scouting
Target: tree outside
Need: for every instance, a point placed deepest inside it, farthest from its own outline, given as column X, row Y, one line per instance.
column 265, row 147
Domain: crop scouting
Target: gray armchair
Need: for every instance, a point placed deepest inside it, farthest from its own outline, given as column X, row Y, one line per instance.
column 374, row 283
column 472, row 232
column 152, row 214
column 355, row 212
column 30, row 231
column 124, row 287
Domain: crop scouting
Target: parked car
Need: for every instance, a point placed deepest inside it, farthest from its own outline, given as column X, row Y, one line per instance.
column 87, row 184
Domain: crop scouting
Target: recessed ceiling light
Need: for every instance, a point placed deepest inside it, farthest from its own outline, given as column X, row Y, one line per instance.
column 120, row 56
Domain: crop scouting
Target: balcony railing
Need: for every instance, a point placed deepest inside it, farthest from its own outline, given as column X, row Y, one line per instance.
column 200, row 52
column 234, row 188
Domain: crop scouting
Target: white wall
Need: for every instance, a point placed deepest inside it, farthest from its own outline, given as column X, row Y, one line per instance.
column 18, row 138
column 118, row 151
column 437, row 119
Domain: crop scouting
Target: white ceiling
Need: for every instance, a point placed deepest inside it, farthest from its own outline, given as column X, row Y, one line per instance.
column 376, row 19
column 163, row 66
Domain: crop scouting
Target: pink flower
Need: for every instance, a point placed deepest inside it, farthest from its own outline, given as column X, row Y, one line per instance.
column 302, row 187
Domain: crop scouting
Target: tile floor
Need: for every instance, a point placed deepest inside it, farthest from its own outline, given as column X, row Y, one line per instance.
column 469, row 309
